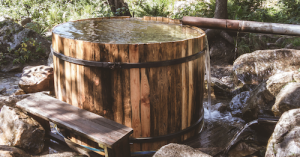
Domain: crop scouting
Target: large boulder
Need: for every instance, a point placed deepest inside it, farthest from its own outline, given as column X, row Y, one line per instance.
column 178, row 150
column 20, row 46
column 277, row 81
column 19, row 130
column 37, row 79
column 258, row 102
column 258, row 66
column 7, row 151
column 288, row 98
column 285, row 140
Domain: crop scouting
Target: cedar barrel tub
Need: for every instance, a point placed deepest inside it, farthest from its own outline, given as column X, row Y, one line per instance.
column 156, row 88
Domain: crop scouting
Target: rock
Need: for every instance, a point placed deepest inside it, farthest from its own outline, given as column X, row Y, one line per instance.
column 3, row 90
column 64, row 154
column 245, row 87
column 255, row 67
column 221, row 107
column 36, row 79
column 237, row 103
column 11, row 100
column 50, row 59
column 19, row 130
column 19, row 92
column 219, row 70
column 21, row 47
column 222, row 51
column 178, row 150
column 25, row 21
column 7, row 151
column 242, row 149
column 277, row 81
column 288, row 98
column 285, row 140
column 8, row 83
column 296, row 77
column 220, row 88
column 259, row 101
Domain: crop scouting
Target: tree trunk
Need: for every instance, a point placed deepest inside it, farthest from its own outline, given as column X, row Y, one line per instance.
column 116, row 4
column 220, row 13
column 221, row 9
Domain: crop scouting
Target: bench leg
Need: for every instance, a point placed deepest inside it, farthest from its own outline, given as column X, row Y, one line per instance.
column 44, row 123
column 120, row 149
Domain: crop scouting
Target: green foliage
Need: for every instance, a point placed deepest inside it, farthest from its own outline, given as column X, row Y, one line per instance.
column 48, row 13
column 285, row 11
column 142, row 8
column 198, row 9
column 23, row 54
column 121, row 11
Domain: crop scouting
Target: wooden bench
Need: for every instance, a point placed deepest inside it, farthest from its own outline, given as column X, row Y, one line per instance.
column 111, row 136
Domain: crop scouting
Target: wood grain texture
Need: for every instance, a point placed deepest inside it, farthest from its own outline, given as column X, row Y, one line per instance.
column 74, row 79
column 145, row 98
column 135, row 93
column 153, row 101
column 165, row 20
column 163, row 90
column 159, row 19
column 191, row 93
column 80, row 74
column 184, row 80
column 117, row 87
column 84, row 123
column 125, row 82
column 153, row 18
column 67, row 70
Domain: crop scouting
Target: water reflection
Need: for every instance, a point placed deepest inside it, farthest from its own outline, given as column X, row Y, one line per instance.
column 124, row 31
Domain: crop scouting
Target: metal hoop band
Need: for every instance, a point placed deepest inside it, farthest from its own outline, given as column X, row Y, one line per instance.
column 113, row 65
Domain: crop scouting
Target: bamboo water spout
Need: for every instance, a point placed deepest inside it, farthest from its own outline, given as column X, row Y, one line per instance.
column 243, row 26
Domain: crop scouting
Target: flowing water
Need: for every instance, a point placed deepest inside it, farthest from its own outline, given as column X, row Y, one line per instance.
column 235, row 137
column 208, row 77
column 124, row 31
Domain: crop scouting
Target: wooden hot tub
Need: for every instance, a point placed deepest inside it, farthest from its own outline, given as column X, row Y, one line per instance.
column 156, row 88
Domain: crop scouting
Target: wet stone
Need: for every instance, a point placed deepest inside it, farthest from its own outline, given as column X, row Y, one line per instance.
column 237, row 103
column 242, row 149
column 259, row 102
